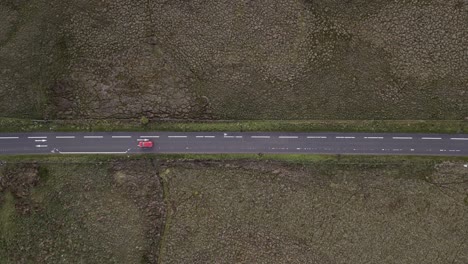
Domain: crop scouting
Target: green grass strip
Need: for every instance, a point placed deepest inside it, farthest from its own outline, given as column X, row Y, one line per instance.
column 409, row 126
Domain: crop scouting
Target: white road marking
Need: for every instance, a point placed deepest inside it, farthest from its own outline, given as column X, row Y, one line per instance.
column 40, row 140
column 344, row 137
column 37, row 137
column 205, row 136
column 288, row 137
column 121, row 136
column 373, row 137
column 65, row 137
column 41, row 146
column 232, row 136
column 459, row 138
column 260, row 136
column 431, row 138
column 177, row 136
column 61, row 152
column 9, row 137
column 402, row 137
column 149, row 136
column 316, row 137
column 93, row 136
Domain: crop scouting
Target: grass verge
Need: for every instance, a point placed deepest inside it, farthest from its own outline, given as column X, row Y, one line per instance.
column 409, row 126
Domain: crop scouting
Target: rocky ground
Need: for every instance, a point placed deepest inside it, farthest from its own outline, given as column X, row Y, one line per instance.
column 234, row 59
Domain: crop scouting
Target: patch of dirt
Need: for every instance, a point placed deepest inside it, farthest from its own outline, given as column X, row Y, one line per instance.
column 19, row 180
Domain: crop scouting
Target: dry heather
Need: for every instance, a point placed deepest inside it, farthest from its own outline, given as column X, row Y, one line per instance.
column 275, row 213
column 234, row 59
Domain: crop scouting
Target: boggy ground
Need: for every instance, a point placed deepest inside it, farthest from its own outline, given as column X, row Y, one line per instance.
column 310, row 209
column 80, row 212
column 251, row 212
column 282, row 59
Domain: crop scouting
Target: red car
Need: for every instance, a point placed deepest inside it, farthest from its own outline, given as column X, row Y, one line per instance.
column 145, row 143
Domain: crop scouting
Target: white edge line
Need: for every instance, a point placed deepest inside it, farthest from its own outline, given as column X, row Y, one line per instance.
column 37, row 137
column 92, row 152
column 9, row 137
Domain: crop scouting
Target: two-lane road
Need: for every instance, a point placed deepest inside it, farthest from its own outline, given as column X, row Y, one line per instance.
column 234, row 142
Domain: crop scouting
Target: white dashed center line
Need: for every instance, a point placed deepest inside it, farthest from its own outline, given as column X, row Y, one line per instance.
column 177, row 136
column 61, row 152
column 431, row 138
column 204, row 136
column 373, row 137
column 232, row 136
column 402, row 137
column 9, row 137
column 93, row 136
column 65, row 137
column 287, row 137
column 37, row 137
column 149, row 136
column 316, row 137
column 41, row 146
column 260, row 136
column 121, row 136
column 459, row 138
column 345, row 137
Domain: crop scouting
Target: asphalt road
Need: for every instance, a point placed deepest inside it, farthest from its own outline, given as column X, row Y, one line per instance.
column 235, row 142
